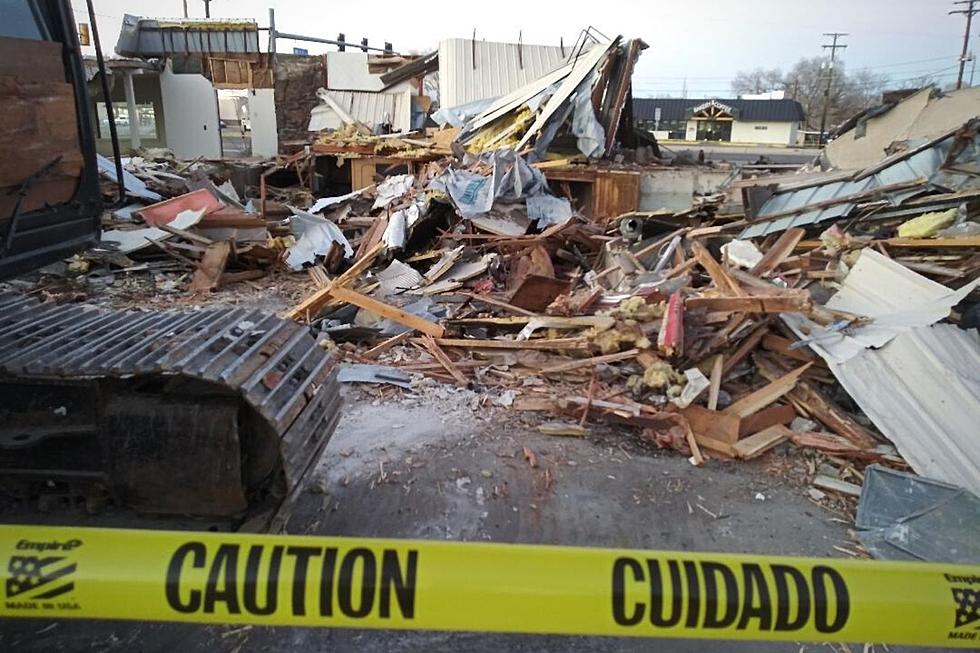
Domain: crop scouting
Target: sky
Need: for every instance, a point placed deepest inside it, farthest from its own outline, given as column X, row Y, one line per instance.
column 694, row 45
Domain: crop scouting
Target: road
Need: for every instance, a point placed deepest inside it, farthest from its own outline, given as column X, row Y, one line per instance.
column 744, row 153
column 437, row 465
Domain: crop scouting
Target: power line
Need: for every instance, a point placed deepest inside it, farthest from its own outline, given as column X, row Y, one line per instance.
column 968, row 12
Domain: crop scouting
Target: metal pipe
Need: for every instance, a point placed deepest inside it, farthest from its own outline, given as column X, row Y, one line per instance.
column 113, row 136
column 313, row 39
column 273, row 34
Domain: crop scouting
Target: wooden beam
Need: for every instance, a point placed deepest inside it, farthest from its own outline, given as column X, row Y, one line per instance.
column 560, row 344
column 718, row 275
column 809, row 399
column 969, row 241
column 789, row 301
column 745, row 348
column 715, row 387
column 207, row 276
column 766, row 418
column 500, row 304
column 756, row 445
column 373, row 352
column 444, row 360
column 388, row 311
column 759, row 399
column 781, row 346
column 314, row 303
column 778, row 252
column 587, row 362
column 716, row 425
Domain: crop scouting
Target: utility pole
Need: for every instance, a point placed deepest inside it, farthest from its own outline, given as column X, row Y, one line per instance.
column 968, row 12
column 830, row 77
column 185, row 9
column 207, row 8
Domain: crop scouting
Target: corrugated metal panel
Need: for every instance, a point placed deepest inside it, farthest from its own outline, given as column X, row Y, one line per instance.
column 924, row 164
column 371, row 108
column 916, row 380
column 500, row 68
column 159, row 37
column 921, row 391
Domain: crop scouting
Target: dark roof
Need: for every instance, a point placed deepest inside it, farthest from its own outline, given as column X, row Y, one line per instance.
column 746, row 110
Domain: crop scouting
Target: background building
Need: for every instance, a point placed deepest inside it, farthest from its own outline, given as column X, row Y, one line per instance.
column 737, row 121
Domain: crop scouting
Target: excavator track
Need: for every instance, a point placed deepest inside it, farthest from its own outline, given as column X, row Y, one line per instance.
column 218, row 412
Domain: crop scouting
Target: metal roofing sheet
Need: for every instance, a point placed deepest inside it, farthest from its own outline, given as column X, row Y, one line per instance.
column 369, row 108
column 470, row 71
column 916, row 380
column 924, row 164
column 151, row 37
column 921, row 391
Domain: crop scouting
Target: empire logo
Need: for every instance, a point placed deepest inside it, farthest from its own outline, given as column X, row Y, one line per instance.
column 967, row 611
column 41, row 582
column 966, row 624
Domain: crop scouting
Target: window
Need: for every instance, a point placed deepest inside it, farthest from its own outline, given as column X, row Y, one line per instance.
column 147, row 119
column 761, row 127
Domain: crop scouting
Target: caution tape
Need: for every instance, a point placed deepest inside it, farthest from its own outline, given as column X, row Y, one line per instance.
column 421, row 585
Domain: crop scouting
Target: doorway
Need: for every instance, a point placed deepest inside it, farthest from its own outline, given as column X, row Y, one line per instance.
column 714, row 130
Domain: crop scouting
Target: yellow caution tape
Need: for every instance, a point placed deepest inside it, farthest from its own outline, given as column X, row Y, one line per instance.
column 409, row 584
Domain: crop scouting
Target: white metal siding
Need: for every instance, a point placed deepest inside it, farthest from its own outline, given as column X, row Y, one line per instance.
column 370, row 109
column 500, row 68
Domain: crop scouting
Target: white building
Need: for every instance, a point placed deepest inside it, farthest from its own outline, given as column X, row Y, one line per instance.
column 736, row 121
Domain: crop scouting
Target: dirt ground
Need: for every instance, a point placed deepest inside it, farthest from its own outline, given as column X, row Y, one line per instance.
column 436, row 464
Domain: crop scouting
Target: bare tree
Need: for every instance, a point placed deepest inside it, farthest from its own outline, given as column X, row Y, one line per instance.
column 759, row 80
column 806, row 83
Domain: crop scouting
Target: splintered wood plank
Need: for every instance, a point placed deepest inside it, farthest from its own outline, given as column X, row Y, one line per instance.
column 806, row 396
column 388, row 311
column 778, row 252
column 717, row 447
column 718, row 275
column 373, row 352
column 756, row 401
column 545, row 343
column 756, row 445
column 781, row 346
column 314, row 303
column 715, row 387
column 788, row 301
column 587, row 362
column 745, row 348
column 713, row 424
column 766, row 418
column 930, row 243
column 208, row 273
column 444, row 360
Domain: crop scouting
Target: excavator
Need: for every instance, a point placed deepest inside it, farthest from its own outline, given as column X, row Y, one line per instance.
column 211, row 412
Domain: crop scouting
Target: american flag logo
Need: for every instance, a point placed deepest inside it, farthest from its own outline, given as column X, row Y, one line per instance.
column 967, row 606
column 33, row 577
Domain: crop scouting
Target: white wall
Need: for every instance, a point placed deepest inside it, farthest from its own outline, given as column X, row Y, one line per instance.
column 674, row 188
column 348, row 71
column 262, row 111
column 783, row 133
column 190, row 115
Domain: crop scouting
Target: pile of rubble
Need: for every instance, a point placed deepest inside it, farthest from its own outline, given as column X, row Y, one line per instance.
column 830, row 308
